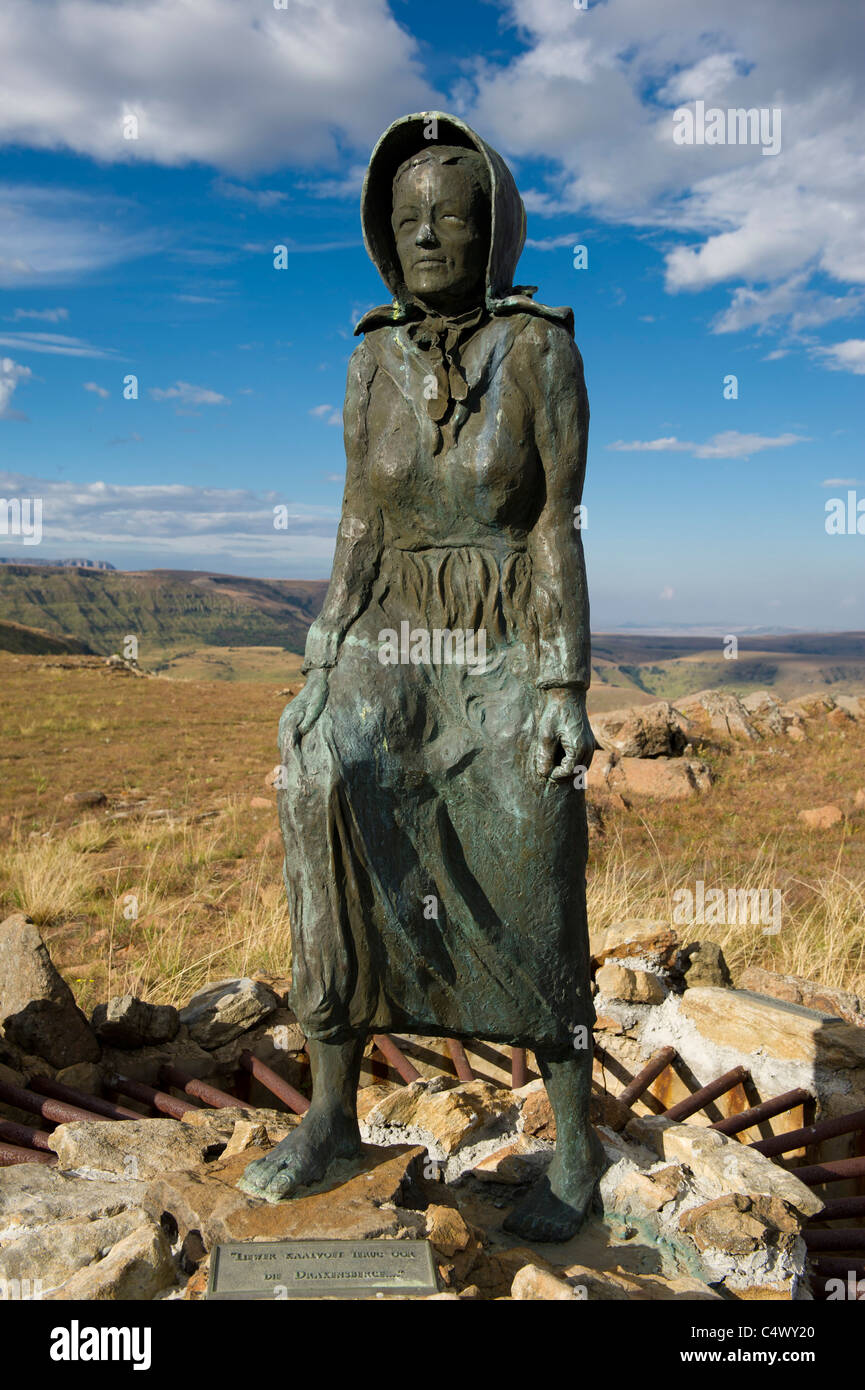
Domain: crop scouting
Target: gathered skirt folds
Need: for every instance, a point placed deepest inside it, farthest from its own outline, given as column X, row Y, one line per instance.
column 436, row 884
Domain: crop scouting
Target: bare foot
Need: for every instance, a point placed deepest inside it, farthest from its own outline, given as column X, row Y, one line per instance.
column 558, row 1203
column 304, row 1156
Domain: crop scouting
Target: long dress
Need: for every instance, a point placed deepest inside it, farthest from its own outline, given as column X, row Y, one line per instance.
column 436, row 883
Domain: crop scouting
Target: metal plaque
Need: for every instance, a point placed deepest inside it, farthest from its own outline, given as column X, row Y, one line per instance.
column 279, row 1269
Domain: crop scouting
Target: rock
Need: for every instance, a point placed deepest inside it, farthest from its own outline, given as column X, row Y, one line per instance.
column 648, row 731
column 721, row 1164
column 145, row 1063
column 273, row 1042
column 796, row 990
column 853, row 705
column 516, row 1162
column 703, row 963
column 619, row 1285
column 533, row 1281
column 821, row 817
column 137, row 1149
column 216, row 1127
column 859, row 799
column 641, row 1194
column 356, row 1204
column 638, row 938
column 247, row 1134
column 138, row 1268
column 368, row 1097
column 665, row 779
column 737, row 1224
column 58, row 1250
column 83, row 799
column 83, row 1076
column 447, row 1230
column 262, row 803
column 751, row 1024
column 795, row 732
column 37, row 1008
column 809, row 706
column 536, row 1114
column 765, row 712
column 32, row 1195
column 223, row 1010
column 127, row 1022
column 442, row 1120
column 724, row 713
column 633, row 986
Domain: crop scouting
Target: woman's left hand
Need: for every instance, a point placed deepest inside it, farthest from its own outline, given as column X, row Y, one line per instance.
column 564, row 725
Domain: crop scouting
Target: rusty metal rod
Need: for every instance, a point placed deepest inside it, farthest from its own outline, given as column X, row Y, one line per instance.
column 837, row 1267
column 847, row 1239
column 396, row 1058
column 766, row 1110
column 12, row 1153
column 519, row 1069
column 23, row 1134
column 208, row 1095
column 106, row 1108
column 811, row 1134
column 650, row 1072
column 830, row 1170
column 700, row 1099
column 147, row 1095
column 283, row 1090
column 55, row 1110
column 840, row 1208
column 462, row 1065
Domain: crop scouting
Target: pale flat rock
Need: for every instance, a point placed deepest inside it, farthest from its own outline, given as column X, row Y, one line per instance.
column 31, row 1195
column 515, row 1162
column 752, row 1023
column 55, row 1252
column 137, row 1269
column 620, row 1285
column 37, row 1008
column 821, row 817
column 721, row 1164
column 447, row 1229
column 441, row 1119
column 724, row 713
column 138, row 1149
column 220, row 1012
column 795, row 989
column 640, row 937
column 535, row 1282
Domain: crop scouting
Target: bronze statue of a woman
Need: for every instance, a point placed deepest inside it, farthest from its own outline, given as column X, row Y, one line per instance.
column 433, row 817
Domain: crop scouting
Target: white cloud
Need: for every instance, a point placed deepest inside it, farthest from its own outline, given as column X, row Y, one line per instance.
column 164, row 520
column 841, row 482
column 187, row 394
column 262, row 198
column 97, row 390
column 52, row 235
column 667, row 592
column 326, row 413
column 729, row 444
column 46, row 315
column 11, row 373
column 235, row 84
column 595, row 92
column 58, row 344
column 789, row 300
column 845, row 357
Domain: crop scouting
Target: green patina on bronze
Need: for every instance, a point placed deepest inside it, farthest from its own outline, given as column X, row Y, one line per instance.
column 435, row 839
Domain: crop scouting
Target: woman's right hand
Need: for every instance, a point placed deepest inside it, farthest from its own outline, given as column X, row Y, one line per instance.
column 299, row 716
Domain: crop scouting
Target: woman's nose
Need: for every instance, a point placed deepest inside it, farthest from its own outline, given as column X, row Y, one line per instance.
column 425, row 235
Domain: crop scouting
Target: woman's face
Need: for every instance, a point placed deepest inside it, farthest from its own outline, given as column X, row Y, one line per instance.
column 441, row 227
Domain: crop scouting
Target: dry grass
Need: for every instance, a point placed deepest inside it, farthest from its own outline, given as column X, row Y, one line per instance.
column 181, row 763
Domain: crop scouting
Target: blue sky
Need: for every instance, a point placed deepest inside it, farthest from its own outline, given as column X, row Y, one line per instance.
column 154, row 256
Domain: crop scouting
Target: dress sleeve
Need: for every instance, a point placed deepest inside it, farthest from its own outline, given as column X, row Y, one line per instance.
column 359, row 538
column 559, row 592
